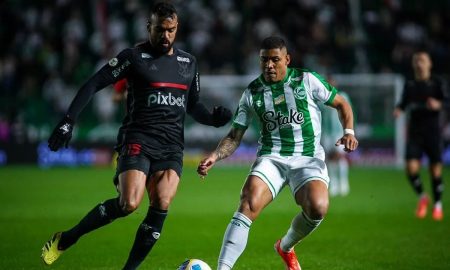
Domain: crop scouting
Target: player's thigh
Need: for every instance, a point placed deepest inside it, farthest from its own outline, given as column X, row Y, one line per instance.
column 433, row 148
column 255, row 196
column 414, row 148
column 162, row 188
column 132, row 170
column 163, row 183
column 313, row 197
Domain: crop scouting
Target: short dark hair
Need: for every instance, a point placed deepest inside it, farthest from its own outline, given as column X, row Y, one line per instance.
column 273, row 42
column 163, row 9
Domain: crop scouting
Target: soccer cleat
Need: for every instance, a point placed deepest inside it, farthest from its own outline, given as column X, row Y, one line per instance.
column 438, row 214
column 422, row 206
column 50, row 252
column 289, row 258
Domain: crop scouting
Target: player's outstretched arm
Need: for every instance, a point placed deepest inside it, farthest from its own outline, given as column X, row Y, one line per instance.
column 345, row 112
column 217, row 118
column 226, row 147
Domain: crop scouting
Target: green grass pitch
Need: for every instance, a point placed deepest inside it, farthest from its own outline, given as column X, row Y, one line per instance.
column 372, row 228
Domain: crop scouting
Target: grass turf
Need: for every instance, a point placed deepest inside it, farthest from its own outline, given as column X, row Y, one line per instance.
column 372, row 228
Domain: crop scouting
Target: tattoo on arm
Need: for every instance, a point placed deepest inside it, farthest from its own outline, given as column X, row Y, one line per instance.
column 229, row 143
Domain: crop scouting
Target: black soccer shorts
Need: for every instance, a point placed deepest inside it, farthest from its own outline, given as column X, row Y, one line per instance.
column 136, row 156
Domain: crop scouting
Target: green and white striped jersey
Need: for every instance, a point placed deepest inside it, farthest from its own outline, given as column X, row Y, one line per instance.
column 288, row 113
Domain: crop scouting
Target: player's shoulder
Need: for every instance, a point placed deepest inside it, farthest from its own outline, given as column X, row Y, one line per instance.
column 183, row 56
column 255, row 86
column 437, row 79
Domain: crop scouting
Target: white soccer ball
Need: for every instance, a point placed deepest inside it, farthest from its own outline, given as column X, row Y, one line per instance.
column 194, row 264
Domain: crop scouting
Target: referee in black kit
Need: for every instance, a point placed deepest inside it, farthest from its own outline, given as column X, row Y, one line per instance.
column 424, row 98
column 163, row 84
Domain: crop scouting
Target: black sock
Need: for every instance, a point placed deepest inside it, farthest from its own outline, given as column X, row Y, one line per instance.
column 102, row 214
column 146, row 237
column 438, row 188
column 416, row 183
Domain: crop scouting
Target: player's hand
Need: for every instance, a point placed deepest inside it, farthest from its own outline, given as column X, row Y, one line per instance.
column 397, row 112
column 349, row 142
column 61, row 135
column 221, row 116
column 205, row 165
column 433, row 104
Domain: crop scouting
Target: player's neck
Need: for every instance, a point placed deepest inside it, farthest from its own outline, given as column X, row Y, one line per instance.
column 422, row 76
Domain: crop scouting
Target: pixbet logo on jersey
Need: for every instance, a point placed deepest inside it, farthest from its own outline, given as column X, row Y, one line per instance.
column 164, row 99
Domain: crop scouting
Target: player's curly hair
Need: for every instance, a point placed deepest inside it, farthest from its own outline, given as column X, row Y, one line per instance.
column 273, row 42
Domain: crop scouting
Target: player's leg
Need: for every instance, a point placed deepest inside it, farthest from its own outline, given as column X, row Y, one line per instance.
column 131, row 188
column 313, row 198
column 412, row 170
column 308, row 181
column 333, row 171
column 414, row 150
column 161, row 188
column 343, row 175
column 263, row 184
column 255, row 196
column 438, row 187
column 434, row 152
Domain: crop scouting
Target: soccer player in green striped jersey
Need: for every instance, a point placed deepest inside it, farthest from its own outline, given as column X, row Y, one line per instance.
column 285, row 101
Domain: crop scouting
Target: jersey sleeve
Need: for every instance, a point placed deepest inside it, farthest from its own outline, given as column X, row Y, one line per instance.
column 116, row 69
column 404, row 98
column 243, row 114
column 321, row 90
column 194, row 92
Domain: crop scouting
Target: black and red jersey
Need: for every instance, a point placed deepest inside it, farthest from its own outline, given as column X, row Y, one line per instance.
column 161, row 89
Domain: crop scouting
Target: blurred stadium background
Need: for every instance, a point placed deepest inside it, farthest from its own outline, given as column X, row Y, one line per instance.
column 49, row 48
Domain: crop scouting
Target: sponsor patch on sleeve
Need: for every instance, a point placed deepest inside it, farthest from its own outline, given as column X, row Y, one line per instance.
column 113, row 62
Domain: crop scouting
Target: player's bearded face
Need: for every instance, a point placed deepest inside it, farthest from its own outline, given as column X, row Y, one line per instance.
column 274, row 63
column 162, row 33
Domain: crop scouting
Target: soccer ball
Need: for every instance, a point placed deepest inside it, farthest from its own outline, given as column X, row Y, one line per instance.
column 194, row 264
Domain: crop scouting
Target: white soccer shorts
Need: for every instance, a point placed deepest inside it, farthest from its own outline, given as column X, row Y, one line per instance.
column 295, row 171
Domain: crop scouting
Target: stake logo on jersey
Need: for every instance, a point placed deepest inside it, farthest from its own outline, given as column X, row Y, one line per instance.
column 287, row 111
column 273, row 120
column 165, row 99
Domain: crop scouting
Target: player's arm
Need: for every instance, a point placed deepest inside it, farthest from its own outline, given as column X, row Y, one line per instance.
column 226, row 147
column 441, row 100
column 115, row 70
column 401, row 106
column 217, row 118
column 345, row 113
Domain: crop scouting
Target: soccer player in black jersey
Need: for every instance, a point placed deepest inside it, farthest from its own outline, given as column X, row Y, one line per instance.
column 424, row 98
column 163, row 84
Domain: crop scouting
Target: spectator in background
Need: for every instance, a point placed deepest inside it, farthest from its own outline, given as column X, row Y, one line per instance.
column 424, row 99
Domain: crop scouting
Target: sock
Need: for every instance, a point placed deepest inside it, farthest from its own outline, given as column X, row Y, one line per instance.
column 438, row 188
column 416, row 183
column 146, row 236
column 334, row 181
column 301, row 226
column 102, row 214
column 343, row 176
column 234, row 240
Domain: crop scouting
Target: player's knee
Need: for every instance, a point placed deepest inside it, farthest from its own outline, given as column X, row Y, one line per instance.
column 318, row 208
column 129, row 206
column 162, row 202
column 249, row 207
